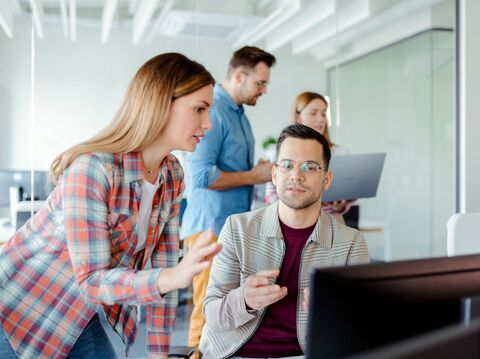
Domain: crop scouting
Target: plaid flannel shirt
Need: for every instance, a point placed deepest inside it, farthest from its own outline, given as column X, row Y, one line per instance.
column 78, row 251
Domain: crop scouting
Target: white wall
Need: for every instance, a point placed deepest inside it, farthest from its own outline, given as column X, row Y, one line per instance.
column 469, row 106
column 79, row 86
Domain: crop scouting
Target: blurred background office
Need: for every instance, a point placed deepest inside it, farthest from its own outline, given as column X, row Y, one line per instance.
column 395, row 72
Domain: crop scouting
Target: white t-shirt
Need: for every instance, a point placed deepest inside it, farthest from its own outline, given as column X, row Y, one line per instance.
column 148, row 192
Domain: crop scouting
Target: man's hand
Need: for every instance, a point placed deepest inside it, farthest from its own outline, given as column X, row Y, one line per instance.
column 197, row 259
column 306, row 299
column 259, row 293
column 262, row 172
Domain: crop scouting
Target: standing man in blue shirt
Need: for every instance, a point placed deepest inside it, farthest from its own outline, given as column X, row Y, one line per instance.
column 221, row 170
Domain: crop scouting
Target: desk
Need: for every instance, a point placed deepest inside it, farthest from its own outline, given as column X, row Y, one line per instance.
column 5, row 233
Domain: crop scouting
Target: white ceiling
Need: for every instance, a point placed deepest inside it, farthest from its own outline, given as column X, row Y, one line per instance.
column 323, row 28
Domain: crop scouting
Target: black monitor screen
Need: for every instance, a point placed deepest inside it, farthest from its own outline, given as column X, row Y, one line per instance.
column 358, row 308
column 455, row 341
column 21, row 179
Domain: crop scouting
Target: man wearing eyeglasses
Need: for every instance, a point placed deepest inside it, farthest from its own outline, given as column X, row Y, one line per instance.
column 257, row 296
column 221, row 172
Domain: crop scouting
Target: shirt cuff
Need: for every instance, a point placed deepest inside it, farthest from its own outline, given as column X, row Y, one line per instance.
column 213, row 175
column 145, row 286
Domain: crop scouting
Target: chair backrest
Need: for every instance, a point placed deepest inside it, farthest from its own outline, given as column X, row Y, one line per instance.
column 463, row 234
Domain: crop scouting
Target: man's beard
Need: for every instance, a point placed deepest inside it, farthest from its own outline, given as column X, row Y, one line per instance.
column 249, row 100
column 252, row 101
column 305, row 203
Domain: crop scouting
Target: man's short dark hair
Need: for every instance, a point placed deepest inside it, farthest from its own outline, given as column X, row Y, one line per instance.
column 248, row 57
column 304, row 133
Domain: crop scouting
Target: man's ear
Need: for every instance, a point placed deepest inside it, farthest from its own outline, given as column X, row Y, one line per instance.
column 327, row 181
column 274, row 175
column 238, row 76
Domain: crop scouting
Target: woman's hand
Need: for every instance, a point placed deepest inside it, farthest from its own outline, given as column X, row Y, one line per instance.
column 339, row 207
column 197, row 259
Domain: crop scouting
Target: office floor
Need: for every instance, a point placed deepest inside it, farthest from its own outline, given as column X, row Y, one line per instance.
column 179, row 337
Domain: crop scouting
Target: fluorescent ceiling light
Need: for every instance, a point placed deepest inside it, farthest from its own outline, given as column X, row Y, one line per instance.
column 107, row 18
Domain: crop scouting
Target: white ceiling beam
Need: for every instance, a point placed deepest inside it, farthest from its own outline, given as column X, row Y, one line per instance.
column 72, row 5
column 391, row 33
column 6, row 18
column 37, row 14
column 142, row 18
column 299, row 23
column 161, row 19
column 109, row 8
column 345, row 17
column 64, row 17
column 407, row 13
column 270, row 23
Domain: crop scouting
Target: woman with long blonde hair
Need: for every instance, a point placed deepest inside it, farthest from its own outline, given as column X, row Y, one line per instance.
column 310, row 109
column 115, row 206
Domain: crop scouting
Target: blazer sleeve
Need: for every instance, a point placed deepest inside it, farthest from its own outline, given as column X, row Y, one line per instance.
column 358, row 253
column 224, row 306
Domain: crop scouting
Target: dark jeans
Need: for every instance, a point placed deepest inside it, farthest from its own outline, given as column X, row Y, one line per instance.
column 93, row 343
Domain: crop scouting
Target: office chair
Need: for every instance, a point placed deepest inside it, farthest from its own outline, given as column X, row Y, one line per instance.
column 181, row 352
column 463, row 234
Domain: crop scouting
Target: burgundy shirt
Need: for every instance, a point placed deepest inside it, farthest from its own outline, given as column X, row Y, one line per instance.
column 277, row 334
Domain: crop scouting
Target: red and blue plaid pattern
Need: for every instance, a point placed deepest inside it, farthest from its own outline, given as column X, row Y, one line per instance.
column 78, row 252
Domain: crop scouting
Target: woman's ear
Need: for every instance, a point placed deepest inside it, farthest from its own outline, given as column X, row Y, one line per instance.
column 297, row 116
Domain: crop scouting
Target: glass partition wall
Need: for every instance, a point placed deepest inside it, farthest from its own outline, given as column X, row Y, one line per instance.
column 401, row 100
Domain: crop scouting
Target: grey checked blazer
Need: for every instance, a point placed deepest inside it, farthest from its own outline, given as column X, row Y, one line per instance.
column 253, row 242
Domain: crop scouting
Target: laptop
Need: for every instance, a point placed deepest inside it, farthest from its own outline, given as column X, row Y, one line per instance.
column 354, row 176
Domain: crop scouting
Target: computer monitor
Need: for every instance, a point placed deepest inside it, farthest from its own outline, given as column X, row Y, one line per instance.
column 359, row 308
column 21, row 179
column 455, row 341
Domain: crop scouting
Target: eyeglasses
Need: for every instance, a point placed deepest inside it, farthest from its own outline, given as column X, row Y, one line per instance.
column 260, row 84
column 307, row 167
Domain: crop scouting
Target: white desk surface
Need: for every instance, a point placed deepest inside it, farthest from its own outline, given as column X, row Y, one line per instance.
column 6, row 233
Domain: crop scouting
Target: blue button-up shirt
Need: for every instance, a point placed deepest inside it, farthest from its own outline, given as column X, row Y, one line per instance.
column 228, row 147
